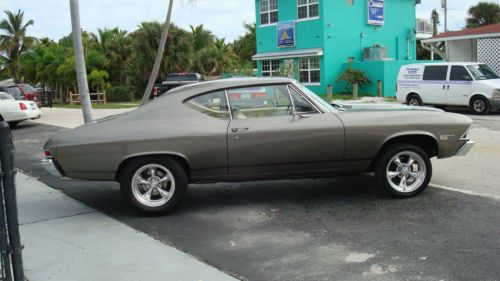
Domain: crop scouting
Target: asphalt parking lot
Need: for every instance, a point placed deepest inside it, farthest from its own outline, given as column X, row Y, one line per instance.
column 325, row 229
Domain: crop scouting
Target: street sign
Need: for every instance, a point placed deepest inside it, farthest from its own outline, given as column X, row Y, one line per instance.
column 376, row 12
column 286, row 33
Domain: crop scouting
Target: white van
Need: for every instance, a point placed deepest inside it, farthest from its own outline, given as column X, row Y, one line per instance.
column 464, row 84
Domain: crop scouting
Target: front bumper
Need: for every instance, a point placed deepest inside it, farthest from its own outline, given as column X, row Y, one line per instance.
column 495, row 103
column 49, row 165
column 466, row 147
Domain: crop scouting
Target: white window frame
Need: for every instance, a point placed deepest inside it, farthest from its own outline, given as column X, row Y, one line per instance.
column 309, row 70
column 271, row 71
column 268, row 12
column 307, row 5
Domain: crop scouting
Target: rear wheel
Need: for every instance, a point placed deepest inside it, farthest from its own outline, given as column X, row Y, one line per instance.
column 13, row 124
column 414, row 100
column 479, row 105
column 403, row 170
column 154, row 185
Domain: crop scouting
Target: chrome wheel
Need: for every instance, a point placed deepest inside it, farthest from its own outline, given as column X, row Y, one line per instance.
column 413, row 102
column 153, row 185
column 406, row 172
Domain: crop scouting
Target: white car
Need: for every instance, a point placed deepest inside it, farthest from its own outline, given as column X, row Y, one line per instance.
column 474, row 85
column 15, row 111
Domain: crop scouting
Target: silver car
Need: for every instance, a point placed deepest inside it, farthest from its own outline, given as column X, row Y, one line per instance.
column 202, row 133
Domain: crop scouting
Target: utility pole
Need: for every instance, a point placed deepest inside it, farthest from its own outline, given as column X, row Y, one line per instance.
column 444, row 5
column 81, row 72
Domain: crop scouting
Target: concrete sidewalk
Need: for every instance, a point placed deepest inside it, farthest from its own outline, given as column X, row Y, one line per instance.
column 66, row 240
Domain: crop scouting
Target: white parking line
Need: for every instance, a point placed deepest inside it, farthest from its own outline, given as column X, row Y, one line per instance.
column 491, row 196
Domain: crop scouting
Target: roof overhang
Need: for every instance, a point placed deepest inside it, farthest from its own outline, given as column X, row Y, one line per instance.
column 464, row 37
column 289, row 54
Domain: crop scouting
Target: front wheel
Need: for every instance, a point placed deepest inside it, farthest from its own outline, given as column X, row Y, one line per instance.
column 414, row 100
column 154, row 185
column 403, row 170
column 480, row 106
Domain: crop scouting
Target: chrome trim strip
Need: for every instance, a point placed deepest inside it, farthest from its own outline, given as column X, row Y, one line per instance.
column 49, row 166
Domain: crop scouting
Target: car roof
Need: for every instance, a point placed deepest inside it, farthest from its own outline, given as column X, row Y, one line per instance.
column 443, row 63
column 213, row 85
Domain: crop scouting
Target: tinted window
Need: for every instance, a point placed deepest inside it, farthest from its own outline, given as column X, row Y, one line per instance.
column 435, row 72
column 257, row 102
column 5, row 96
column 16, row 93
column 182, row 77
column 211, row 104
column 29, row 88
column 459, row 73
column 300, row 104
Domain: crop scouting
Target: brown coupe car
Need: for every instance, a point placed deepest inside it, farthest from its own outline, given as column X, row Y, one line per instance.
column 254, row 129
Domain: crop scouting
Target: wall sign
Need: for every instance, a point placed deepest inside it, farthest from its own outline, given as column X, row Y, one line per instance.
column 376, row 12
column 286, row 33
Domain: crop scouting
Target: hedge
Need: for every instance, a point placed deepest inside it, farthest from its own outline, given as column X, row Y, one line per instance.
column 120, row 93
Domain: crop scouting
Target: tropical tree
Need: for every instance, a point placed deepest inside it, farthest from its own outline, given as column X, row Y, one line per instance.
column 14, row 41
column 216, row 59
column 245, row 46
column 435, row 22
column 97, row 79
column 201, row 37
column 483, row 13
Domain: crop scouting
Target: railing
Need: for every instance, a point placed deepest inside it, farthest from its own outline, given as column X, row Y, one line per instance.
column 10, row 243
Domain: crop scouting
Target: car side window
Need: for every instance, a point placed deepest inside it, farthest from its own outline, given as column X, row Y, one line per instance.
column 435, row 72
column 301, row 105
column 459, row 73
column 258, row 102
column 212, row 104
column 5, row 96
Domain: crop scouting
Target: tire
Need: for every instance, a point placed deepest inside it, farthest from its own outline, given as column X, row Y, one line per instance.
column 13, row 124
column 164, row 196
column 414, row 100
column 390, row 175
column 479, row 106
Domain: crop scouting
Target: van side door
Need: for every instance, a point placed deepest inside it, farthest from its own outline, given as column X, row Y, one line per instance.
column 459, row 87
column 434, row 84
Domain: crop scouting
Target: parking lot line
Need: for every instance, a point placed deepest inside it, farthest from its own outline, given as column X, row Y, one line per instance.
column 491, row 196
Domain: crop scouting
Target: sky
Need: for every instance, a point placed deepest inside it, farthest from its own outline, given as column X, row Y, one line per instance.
column 224, row 18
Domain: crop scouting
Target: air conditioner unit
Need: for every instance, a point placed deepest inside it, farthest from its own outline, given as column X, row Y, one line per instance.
column 375, row 53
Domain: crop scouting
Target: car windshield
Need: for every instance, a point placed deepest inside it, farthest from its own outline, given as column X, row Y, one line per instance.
column 482, row 72
column 312, row 95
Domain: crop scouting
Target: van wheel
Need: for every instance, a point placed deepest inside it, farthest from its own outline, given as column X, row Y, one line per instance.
column 480, row 106
column 414, row 100
column 154, row 185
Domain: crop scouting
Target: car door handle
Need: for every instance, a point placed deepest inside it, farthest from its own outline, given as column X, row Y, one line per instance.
column 444, row 87
column 448, row 87
column 235, row 130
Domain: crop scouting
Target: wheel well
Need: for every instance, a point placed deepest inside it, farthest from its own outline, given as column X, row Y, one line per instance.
column 412, row 94
column 427, row 143
column 477, row 96
column 179, row 159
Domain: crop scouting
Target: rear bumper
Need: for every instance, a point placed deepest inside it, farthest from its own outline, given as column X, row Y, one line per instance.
column 49, row 165
column 466, row 147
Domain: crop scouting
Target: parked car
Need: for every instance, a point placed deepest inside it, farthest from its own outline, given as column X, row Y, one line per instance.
column 13, row 91
column 175, row 80
column 195, row 135
column 15, row 111
column 469, row 84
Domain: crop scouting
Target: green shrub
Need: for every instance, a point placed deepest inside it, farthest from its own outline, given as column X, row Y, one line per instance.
column 120, row 93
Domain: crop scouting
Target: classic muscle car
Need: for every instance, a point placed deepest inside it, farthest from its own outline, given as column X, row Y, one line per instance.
column 204, row 133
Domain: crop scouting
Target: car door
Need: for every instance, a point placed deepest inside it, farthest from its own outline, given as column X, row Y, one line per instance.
column 459, row 89
column 276, row 131
column 434, row 84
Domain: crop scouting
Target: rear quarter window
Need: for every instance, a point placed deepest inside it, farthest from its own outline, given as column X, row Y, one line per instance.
column 435, row 72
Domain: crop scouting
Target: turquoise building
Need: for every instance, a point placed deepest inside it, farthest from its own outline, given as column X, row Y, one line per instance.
column 314, row 40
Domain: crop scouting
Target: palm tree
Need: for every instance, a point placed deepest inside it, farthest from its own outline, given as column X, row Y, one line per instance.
column 14, row 40
column 201, row 37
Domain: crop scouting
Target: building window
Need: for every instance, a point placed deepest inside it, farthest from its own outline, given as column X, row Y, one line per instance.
column 309, row 71
column 270, row 67
column 268, row 11
column 307, row 9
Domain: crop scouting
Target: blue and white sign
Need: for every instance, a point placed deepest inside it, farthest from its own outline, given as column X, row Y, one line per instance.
column 286, row 33
column 376, row 12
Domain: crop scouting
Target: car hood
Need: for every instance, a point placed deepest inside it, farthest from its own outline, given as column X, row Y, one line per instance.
column 381, row 107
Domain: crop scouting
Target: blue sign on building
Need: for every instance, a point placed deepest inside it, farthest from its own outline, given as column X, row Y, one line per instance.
column 286, row 33
column 376, row 12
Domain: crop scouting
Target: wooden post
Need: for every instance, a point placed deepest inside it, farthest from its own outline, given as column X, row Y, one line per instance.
column 355, row 91
column 379, row 88
column 104, row 96
column 70, row 97
column 329, row 93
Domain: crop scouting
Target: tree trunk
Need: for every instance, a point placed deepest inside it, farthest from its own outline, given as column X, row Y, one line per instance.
column 159, row 55
column 355, row 91
column 81, row 72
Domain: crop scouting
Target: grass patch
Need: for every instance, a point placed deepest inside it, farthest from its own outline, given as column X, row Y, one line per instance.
column 109, row 105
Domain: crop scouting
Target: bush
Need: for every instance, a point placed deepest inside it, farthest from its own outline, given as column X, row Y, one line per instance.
column 353, row 76
column 120, row 93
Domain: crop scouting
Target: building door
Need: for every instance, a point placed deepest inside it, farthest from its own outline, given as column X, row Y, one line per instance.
column 274, row 132
column 434, row 84
column 458, row 91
